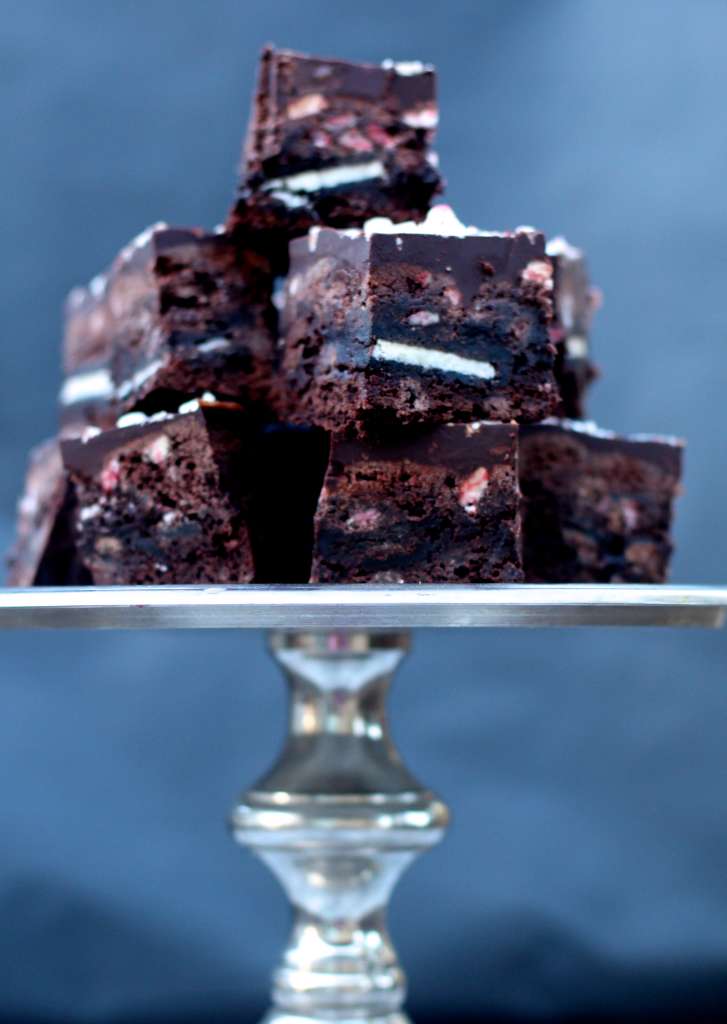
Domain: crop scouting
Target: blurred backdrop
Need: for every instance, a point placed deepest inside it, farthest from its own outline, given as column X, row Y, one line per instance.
column 586, row 869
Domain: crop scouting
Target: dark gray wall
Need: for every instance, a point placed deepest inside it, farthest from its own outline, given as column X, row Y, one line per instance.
column 587, row 771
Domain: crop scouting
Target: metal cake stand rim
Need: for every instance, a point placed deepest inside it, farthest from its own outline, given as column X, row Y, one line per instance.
column 363, row 606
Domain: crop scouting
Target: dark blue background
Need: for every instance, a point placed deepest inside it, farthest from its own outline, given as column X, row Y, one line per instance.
column 586, row 870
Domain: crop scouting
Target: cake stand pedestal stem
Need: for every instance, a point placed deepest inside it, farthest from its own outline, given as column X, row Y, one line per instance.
column 338, row 819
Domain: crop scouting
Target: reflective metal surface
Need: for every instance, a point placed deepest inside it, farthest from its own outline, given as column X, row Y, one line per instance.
column 338, row 819
column 361, row 607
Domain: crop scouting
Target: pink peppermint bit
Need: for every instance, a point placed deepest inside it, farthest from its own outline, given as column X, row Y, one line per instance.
column 110, row 476
column 471, row 490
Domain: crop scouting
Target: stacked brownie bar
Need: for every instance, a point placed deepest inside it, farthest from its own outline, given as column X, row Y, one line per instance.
column 342, row 384
column 596, row 507
column 179, row 312
column 335, row 143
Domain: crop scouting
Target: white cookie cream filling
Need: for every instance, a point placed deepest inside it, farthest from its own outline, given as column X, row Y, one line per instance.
column 193, row 404
column 431, row 359
column 214, row 345
column 289, row 199
column 326, row 177
column 139, row 419
column 86, row 387
column 97, row 384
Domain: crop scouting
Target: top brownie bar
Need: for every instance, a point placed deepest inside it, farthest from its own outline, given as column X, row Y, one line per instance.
column 180, row 312
column 336, row 143
column 428, row 323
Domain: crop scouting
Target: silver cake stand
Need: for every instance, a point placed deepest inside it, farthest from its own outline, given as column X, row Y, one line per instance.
column 339, row 817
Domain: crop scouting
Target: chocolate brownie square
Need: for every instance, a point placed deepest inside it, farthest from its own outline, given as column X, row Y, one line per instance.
column 402, row 324
column 575, row 301
column 597, row 508
column 165, row 498
column 44, row 553
column 433, row 506
column 335, row 143
column 180, row 312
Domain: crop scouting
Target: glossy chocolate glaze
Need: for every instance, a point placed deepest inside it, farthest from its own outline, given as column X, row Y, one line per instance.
column 665, row 453
column 459, row 446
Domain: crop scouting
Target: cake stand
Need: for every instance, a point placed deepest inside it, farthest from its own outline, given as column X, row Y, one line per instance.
column 339, row 817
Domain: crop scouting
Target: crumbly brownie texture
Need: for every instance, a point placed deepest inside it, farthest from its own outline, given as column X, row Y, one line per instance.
column 44, row 553
column 165, row 501
column 411, row 324
column 597, row 508
column 440, row 506
column 575, row 301
column 335, row 143
column 180, row 312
